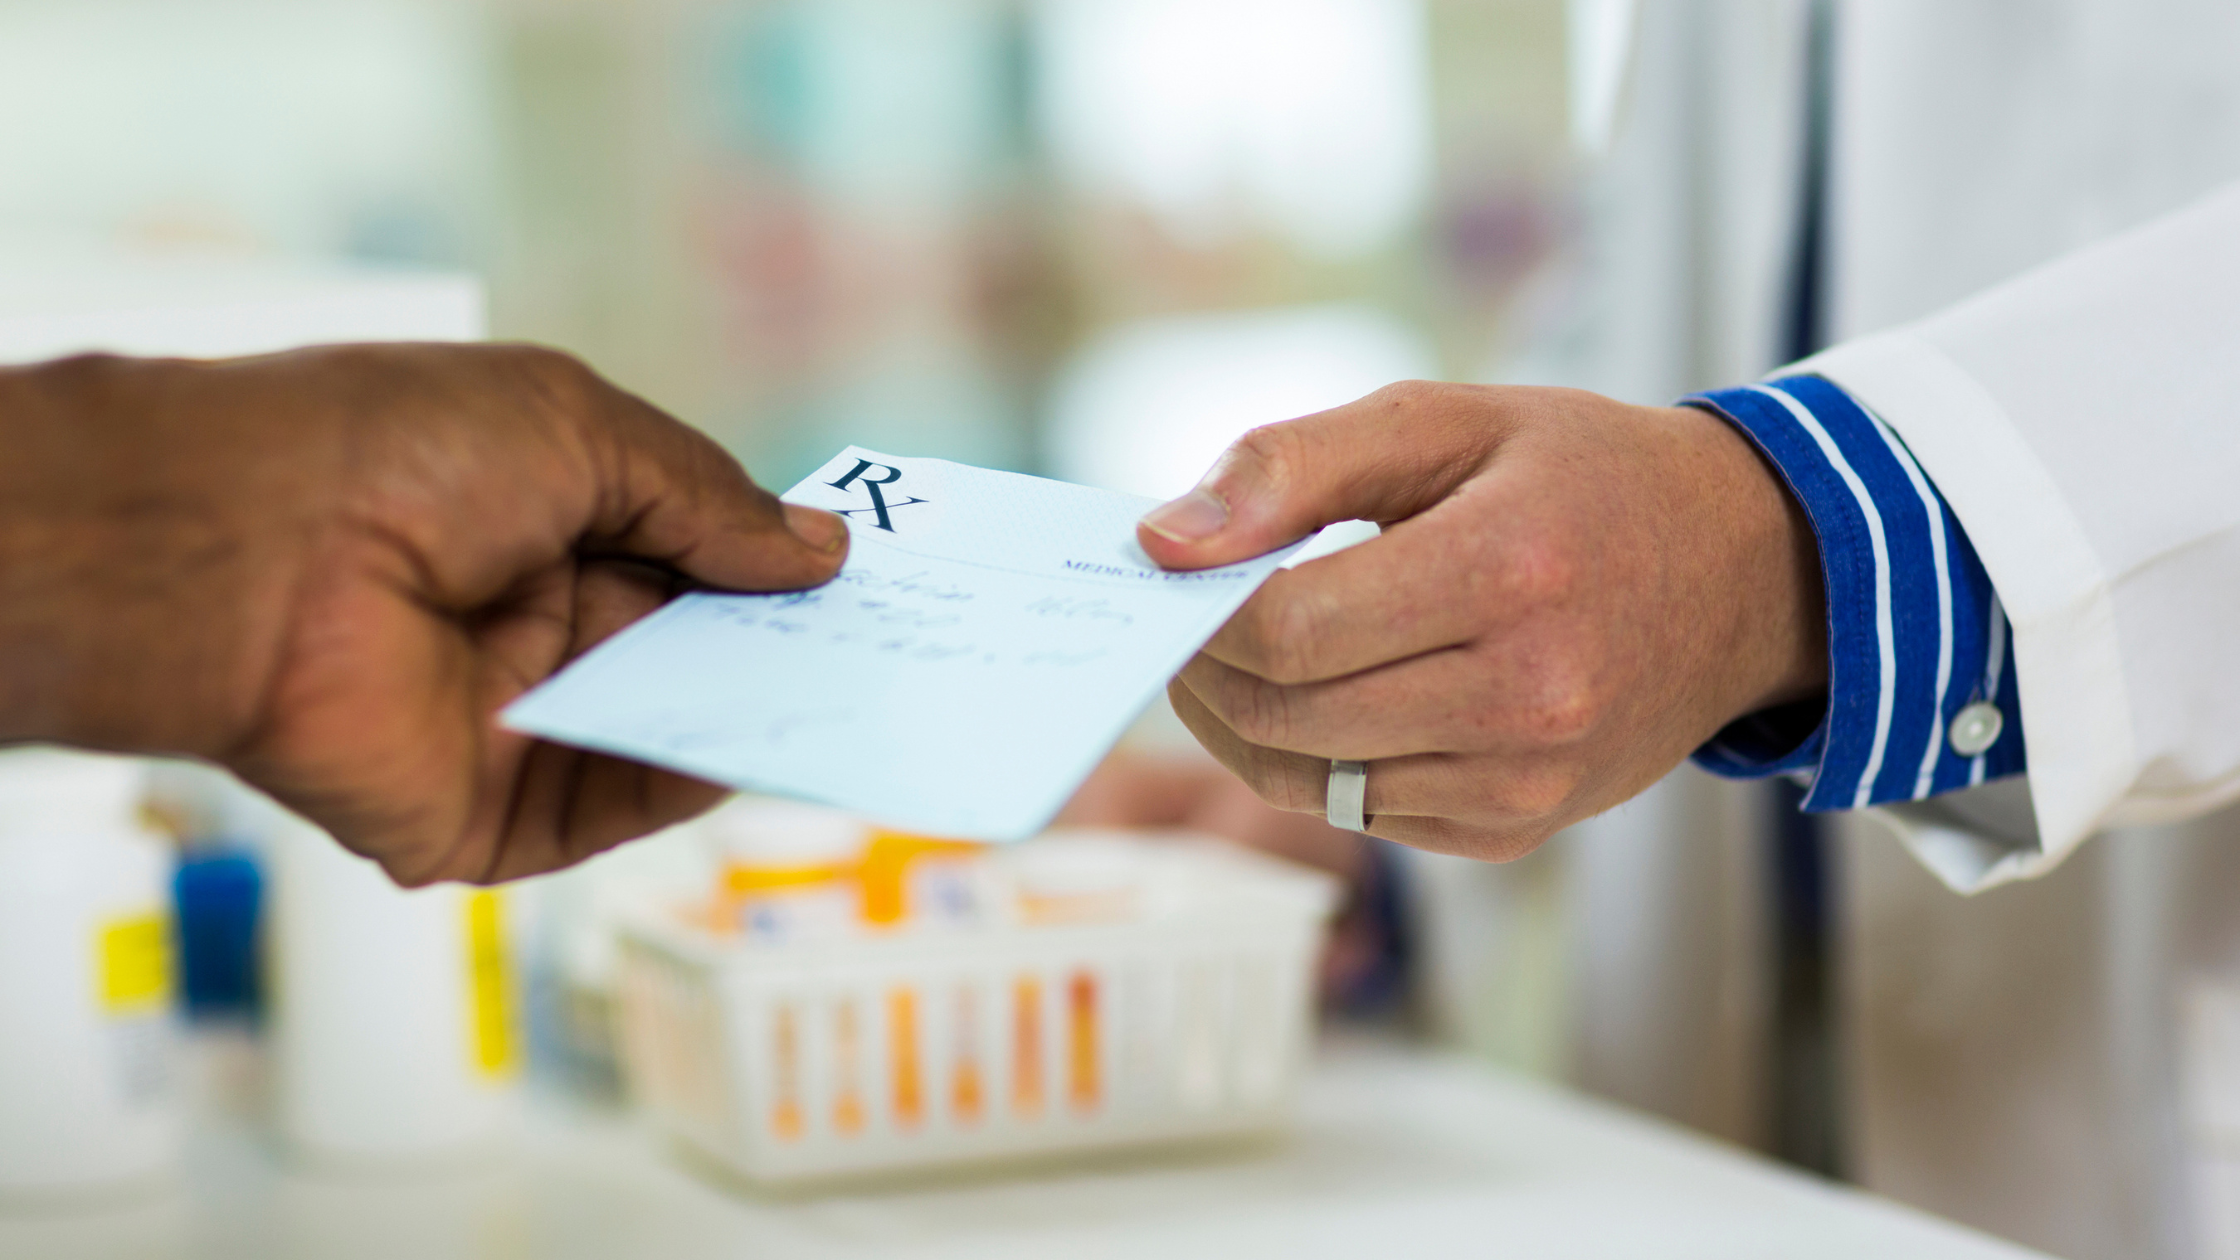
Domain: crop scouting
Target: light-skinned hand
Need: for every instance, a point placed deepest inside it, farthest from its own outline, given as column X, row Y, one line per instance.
column 328, row 570
column 1570, row 595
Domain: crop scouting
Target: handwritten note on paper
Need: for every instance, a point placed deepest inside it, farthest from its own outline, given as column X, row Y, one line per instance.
column 989, row 638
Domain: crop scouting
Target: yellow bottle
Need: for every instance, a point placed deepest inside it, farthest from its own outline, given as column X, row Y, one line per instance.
column 789, row 871
column 921, row 880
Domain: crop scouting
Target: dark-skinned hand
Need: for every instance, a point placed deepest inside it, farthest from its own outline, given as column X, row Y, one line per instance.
column 328, row 570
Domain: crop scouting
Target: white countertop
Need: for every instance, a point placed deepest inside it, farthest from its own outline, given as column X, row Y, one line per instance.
column 1395, row 1153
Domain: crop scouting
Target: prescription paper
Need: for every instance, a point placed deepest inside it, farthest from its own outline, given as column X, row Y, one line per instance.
column 989, row 638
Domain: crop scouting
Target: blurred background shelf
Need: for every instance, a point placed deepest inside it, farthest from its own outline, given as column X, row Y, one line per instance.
column 911, row 224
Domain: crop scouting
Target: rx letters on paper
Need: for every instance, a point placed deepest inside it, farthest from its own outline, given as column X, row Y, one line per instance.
column 989, row 638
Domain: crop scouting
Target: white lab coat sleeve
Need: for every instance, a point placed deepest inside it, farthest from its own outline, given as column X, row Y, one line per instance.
column 2083, row 422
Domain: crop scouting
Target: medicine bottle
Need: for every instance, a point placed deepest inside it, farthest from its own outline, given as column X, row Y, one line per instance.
column 89, row 1078
column 396, row 1015
column 922, row 882
column 788, row 870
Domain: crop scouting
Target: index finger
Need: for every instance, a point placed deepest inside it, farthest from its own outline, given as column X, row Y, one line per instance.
column 1416, row 588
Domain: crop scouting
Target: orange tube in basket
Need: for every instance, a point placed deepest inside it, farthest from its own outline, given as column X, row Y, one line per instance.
column 1082, row 1085
column 965, row 1087
column 902, row 1051
column 785, row 1113
column 847, row 1105
column 1026, row 1046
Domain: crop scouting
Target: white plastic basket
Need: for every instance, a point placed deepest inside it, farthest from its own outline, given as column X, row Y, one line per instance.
column 1187, row 1018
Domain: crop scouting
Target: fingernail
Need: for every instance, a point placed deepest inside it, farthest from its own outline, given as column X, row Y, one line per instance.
column 821, row 530
column 1195, row 516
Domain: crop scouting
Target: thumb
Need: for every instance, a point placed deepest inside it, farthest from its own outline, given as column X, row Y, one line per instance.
column 670, row 494
column 1383, row 458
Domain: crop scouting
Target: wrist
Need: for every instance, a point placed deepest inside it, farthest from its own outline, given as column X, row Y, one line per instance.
column 1779, row 607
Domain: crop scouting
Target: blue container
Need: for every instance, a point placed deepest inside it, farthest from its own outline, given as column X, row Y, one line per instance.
column 219, row 894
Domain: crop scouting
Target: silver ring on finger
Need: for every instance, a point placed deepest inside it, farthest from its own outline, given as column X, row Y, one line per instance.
column 1348, row 790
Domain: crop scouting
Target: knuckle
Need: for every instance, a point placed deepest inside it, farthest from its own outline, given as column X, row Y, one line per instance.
column 1271, row 455
column 1288, row 634
column 1540, row 568
column 1563, row 714
column 1539, row 794
column 1559, row 699
column 552, row 382
column 1408, row 395
column 1507, row 844
column 1258, row 712
column 1255, row 631
column 1274, row 793
column 1280, row 787
column 555, row 373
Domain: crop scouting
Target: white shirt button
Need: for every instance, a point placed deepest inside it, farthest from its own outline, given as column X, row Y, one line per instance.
column 1976, row 728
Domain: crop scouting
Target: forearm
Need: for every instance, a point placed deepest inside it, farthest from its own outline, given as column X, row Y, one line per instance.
column 134, row 612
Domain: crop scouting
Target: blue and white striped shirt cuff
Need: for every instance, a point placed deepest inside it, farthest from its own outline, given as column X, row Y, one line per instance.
column 1915, row 632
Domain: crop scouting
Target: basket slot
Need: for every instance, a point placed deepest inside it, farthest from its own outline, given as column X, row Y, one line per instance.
column 968, row 1066
column 779, row 1079
column 1203, row 1018
column 847, row 1058
column 1135, row 1035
